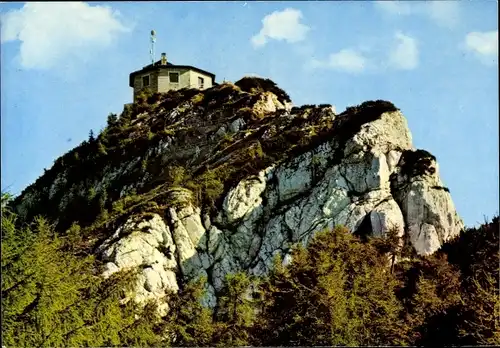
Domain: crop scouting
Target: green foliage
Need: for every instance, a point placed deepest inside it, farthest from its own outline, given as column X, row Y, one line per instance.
column 154, row 98
column 112, row 120
column 91, row 136
column 236, row 311
column 91, row 194
column 418, row 162
column 207, row 188
column 101, row 149
column 126, row 116
column 144, row 164
column 189, row 323
column 52, row 298
column 430, row 289
column 151, row 135
column 257, row 84
column 247, row 113
column 74, row 234
column 476, row 254
column 218, row 96
column 227, row 137
column 5, row 200
column 121, row 205
column 255, row 151
column 176, row 175
column 197, row 98
column 337, row 291
column 144, row 95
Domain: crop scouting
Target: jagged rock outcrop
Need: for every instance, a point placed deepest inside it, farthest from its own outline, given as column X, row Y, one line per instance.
column 279, row 174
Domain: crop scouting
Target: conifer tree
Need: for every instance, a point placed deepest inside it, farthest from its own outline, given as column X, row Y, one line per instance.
column 188, row 323
column 337, row 291
column 236, row 311
column 112, row 119
column 52, row 298
column 91, row 137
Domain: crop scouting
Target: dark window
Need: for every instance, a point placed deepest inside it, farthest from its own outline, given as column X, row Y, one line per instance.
column 145, row 81
column 200, row 82
column 174, row 77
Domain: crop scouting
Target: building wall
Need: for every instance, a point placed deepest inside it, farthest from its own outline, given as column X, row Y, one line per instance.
column 164, row 83
column 207, row 83
column 153, row 83
column 159, row 80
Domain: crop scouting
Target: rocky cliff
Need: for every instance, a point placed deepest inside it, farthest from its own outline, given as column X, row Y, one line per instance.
column 208, row 183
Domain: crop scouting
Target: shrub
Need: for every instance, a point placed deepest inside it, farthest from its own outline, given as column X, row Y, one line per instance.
column 258, row 84
column 197, row 99
column 143, row 96
column 154, row 98
column 417, row 163
column 112, row 120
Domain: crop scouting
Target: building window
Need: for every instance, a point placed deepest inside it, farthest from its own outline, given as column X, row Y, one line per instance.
column 174, row 77
column 145, row 81
column 200, row 82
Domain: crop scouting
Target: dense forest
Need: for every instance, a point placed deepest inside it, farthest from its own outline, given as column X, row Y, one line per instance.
column 342, row 289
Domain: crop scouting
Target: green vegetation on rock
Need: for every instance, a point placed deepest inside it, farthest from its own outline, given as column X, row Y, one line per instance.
column 191, row 146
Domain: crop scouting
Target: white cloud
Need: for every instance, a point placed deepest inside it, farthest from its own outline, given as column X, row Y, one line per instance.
column 401, row 54
column 347, row 60
column 281, row 25
column 404, row 55
column 395, row 7
column 484, row 45
column 52, row 33
column 444, row 13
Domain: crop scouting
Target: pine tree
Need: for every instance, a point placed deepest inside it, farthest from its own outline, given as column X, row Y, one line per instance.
column 112, row 120
column 52, row 298
column 236, row 311
column 188, row 323
column 337, row 291
column 91, row 137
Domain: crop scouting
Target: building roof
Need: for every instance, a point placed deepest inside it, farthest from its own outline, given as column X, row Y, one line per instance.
column 157, row 65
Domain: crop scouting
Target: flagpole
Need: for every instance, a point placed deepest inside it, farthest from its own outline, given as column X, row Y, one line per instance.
column 152, row 50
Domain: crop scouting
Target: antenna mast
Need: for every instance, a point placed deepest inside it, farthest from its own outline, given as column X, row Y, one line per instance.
column 152, row 50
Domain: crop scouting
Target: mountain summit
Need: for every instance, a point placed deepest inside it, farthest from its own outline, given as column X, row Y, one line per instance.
column 196, row 183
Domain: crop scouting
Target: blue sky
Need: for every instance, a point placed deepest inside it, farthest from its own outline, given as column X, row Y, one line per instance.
column 65, row 66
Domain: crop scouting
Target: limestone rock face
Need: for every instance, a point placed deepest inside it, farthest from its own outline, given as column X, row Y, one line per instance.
column 288, row 172
column 147, row 244
column 372, row 183
column 429, row 212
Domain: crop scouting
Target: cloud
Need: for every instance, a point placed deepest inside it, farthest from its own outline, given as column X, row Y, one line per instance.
column 484, row 45
column 281, row 25
column 444, row 13
column 395, row 7
column 399, row 54
column 347, row 60
column 54, row 33
column 404, row 55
